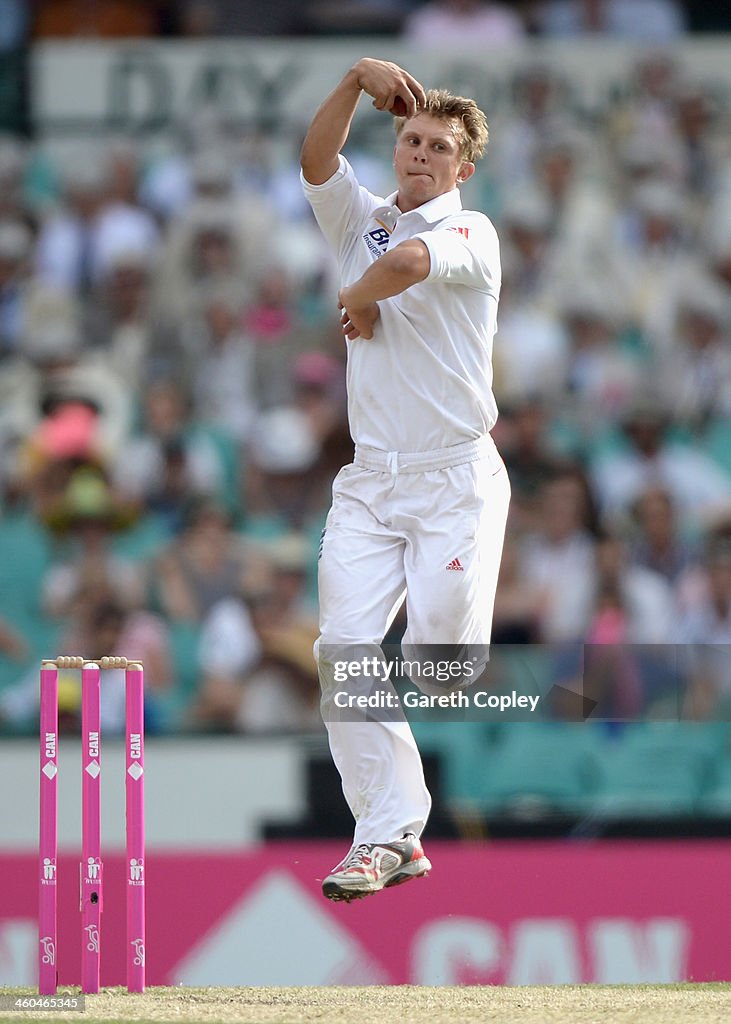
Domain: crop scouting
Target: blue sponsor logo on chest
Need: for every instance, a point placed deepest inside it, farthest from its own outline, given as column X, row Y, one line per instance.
column 377, row 240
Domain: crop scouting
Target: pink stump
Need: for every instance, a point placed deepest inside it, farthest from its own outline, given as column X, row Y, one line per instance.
column 135, row 794
column 91, row 862
column 48, row 833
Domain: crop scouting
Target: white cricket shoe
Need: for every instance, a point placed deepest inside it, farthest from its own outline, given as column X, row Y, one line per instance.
column 371, row 867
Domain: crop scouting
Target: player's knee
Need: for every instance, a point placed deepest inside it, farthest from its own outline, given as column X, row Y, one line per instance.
column 441, row 668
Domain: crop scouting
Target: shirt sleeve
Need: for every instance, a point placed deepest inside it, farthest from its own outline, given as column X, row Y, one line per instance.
column 340, row 204
column 466, row 254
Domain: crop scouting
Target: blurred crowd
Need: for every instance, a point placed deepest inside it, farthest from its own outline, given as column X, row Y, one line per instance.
column 475, row 22
column 172, row 408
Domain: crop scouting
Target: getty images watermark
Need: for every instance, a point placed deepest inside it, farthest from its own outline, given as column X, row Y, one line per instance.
column 443, row 683
column 570, row 682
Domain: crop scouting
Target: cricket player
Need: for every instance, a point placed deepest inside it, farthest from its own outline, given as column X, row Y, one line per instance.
column 421, row 511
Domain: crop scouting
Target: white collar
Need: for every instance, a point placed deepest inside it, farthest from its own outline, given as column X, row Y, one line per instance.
column 436, row 209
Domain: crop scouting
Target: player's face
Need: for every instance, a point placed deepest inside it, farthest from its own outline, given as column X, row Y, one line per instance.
column 427, row 161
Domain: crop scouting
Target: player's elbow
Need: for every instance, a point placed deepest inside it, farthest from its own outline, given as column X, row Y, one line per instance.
column 317, row 168
column 411, row 261
column 307, row 157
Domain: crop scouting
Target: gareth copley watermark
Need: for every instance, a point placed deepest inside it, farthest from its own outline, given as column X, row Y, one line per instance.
column 382, row 700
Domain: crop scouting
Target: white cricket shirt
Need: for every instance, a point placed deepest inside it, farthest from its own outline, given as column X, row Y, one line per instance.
column 424, row 381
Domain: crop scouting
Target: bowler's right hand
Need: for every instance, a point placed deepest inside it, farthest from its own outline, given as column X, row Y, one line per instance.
column 392, row 88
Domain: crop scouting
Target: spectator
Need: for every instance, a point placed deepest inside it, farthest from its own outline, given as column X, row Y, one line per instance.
column 58, row 406
column 519, row 601
column 707, row 627
column 558, row 559
column 228, row 649
column 171, row 460
column 15, row 249
column 99, row 625
column 283, row 493
column 658, row 258
column 643, row 598
column 647, row 157
column 84, row 521
column 224, row 386
column 698, row 488
column 103, row 626
column 539, row 104
column 652, row 21
column 270, row 317
column 695, row 376
column 319, row 393
column 268, row 682
column 531, row 346
column 696, row 113
column 119, row 323
column 14, row 24
column 66, row 438
column 12, row 643
column 473, row 23
column 13, row 161
column 657, row 544
column 622, row 669
column 209, row 255
column 78, row 243
column 522, row 433
column 720, row 251
column 603, row 377
column 582, row 210
column 202, row 566
column 63, row 370
column 348, row 17
column 526, row 222
column 217, row 236
column 273, row 323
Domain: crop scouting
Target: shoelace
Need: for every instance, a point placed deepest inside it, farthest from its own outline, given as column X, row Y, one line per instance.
column 358, row 857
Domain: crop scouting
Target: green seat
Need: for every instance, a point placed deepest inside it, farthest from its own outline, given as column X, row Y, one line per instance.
column 25, row 554
column 717, row 443
column 144, row 540
column 465, row 751
column 227, row 450
column 172, row 704
column 538, row 769
column 716, row 800
column 707, row 739
column 656, row 770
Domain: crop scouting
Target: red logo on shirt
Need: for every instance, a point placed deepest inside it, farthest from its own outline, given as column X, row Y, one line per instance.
column 461, row 231
column 455, row 565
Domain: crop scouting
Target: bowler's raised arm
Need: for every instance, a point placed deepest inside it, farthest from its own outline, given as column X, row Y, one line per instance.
column 392, row 89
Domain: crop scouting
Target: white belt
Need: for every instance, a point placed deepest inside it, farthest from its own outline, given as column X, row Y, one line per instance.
column 423, row 462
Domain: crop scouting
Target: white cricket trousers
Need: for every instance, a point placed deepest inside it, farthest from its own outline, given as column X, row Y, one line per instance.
column 429, row 525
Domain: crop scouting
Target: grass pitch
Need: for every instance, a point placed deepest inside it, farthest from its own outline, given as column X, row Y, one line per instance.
column 407, row 1004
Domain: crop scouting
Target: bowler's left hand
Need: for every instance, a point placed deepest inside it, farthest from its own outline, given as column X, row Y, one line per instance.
column 357, row 321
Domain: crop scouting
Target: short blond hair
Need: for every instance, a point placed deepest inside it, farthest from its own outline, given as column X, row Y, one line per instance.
column 467, row 120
